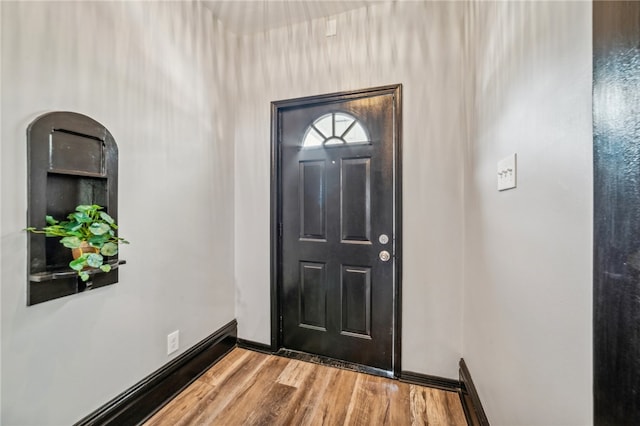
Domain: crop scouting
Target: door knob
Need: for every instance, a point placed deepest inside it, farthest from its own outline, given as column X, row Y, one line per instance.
column 384, row 255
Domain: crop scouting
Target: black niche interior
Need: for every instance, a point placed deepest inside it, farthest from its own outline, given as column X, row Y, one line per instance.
column 73, row 160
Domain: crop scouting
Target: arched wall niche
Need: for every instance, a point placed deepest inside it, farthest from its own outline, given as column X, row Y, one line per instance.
column 72, row 160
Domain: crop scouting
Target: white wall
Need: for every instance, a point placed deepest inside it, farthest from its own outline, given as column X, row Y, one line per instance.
column 417, row 44
column 528, row 251
column 481, row 81
column 152, row 74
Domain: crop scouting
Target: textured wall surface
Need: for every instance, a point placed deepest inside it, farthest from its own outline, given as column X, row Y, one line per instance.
column 152, row 74
column 528, row 251
column 417, row 44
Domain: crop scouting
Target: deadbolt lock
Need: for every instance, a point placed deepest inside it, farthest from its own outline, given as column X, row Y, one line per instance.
column 384, row 256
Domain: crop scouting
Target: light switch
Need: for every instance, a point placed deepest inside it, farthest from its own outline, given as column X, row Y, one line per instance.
column 507, row 173
column 332, row 29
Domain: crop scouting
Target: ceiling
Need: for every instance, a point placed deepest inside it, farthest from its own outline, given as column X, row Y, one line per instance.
column 251, row 16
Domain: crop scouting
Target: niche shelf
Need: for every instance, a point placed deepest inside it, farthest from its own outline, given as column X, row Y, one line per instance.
column 72, row 160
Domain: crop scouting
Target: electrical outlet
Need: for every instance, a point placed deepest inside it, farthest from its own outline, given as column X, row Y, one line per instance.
column 173, row 342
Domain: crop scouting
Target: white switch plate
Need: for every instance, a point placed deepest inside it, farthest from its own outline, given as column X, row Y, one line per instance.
column 507, row 173
column 173, row 342
column 332, row 28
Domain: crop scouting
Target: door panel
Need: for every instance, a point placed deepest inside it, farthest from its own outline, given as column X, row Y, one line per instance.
column 312, row 200
column 336, row 187
column 356, row 301
column 313, row 295
column 355, row 194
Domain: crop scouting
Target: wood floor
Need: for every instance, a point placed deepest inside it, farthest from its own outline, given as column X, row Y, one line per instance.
column 250, row 388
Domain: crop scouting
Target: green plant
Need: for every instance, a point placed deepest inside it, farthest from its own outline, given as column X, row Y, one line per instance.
column 90, row 225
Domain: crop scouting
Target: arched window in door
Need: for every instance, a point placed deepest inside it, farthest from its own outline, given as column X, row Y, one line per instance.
column 335, row 129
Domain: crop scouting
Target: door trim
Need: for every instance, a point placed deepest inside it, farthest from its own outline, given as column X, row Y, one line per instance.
column 276, row 203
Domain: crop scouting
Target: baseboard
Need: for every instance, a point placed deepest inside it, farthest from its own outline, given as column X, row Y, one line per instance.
column 255, row 346
column 437, row 382
column 141, row 401
column 470, row 399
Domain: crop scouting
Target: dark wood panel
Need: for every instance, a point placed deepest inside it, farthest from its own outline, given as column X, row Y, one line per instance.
column 355, row 192
column 74, row 152
column 473, row 410
column 41, row 292
column 313, row 295
column 430, row 381
column 255, row 346
column 616, row 129
column 312, row 200
column 259, row 389
column 356, row 300
column 65, row 192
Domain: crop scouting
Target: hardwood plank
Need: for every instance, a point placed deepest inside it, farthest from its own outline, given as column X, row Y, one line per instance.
column 271, row 413
column 227, row 366
column 399, row 394
column 332, row 408
column 251, row 388
column 366, row 406
column 295, row 373
column 217, row 396
column 454, row 409
column 309, row 394
column 183, row 407
column 234, row 401
column 435, row 407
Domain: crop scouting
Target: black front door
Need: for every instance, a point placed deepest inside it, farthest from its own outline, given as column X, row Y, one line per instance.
column 337, row 217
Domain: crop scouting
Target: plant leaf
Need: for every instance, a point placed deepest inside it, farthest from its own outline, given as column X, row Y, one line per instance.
column 94, row 260
column 71, row 242
column 98, row 228
column 98, row 240
column 106, row 267
column 84, row 208
column 109, row 249
column 80, row 217
column 83, row 276
column 50, row 220
column 106, row 218
column 71, row 225
column 78, row 263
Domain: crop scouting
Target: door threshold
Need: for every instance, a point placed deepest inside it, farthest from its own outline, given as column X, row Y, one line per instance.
column 331, row 362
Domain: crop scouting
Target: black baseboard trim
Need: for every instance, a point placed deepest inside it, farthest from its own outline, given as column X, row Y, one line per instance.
column 255, row 346
column 470, row 399
column 142, row 400
column 429, row 381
